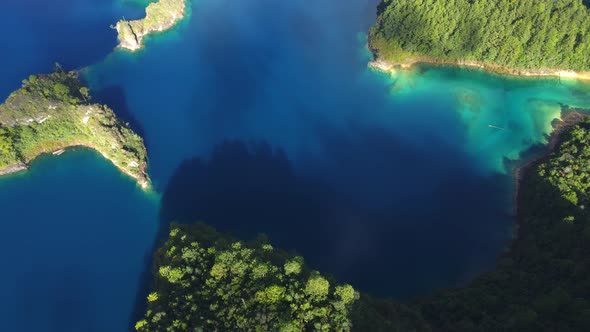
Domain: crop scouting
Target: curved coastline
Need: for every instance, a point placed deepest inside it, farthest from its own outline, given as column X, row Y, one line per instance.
column 391, row 67
column 14, row 168
column 569, row 119
column 142, row 179
column 53, row 112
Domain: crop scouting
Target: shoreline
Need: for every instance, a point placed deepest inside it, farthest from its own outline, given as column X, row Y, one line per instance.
column 392, row 67
column 106, row 134
column 14, row 168
column 134, row 41
column 569, row 119
column 142, row 181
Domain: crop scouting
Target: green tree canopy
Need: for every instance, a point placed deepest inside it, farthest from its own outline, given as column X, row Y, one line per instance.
column 523, row 34
column 206, row 281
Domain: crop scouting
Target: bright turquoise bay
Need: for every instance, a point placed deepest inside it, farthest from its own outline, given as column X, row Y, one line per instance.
column 262, row 116
column 500, row 117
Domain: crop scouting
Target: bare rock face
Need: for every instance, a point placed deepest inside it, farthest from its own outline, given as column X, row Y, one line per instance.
column 128, row 39
column 14, row 168
column 160, row 16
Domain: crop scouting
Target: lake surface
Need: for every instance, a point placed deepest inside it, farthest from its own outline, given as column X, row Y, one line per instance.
column 261, row 116
column 76, row 236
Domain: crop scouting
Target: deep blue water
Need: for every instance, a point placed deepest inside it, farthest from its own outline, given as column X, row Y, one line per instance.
column 351, row 185
column 261, row 116
column 76, row 235
column 75, row 33
column 75, row 238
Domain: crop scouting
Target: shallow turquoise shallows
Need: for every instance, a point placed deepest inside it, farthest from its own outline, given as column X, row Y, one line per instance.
column 262, row 116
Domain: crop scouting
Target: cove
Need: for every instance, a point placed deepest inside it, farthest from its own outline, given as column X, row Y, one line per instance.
column 264, row 117
column 261, row 116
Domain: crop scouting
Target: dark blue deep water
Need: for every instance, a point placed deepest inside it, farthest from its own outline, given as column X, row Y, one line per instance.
column 260, row 116
column 76, row 236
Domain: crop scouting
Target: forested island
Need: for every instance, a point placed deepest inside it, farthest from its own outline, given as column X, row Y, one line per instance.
column 53, row 112
column 160, row 16
column 206, row 281
column 525, row 37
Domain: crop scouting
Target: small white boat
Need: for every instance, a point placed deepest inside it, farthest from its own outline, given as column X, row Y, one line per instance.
column 496, row 127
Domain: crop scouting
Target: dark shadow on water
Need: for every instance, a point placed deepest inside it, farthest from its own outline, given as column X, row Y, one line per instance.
column 247, row 189
column 145, row 280
column 408, row 237
column 244, row 189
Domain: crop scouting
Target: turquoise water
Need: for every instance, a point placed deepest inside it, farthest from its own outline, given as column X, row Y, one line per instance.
column 262, row 116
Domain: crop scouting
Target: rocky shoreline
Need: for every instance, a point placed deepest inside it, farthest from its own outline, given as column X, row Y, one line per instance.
column 14, row 168
column 390, row 67
column 142, row 179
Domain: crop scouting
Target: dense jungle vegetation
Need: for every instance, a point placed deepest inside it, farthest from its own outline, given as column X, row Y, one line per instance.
column 205, row 281
column 523, row 34
column 54, row 111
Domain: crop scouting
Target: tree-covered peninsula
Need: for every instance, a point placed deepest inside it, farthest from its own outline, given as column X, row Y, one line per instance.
column 53, row 112
column 205, row 281
column 525, row 37
column 160, row 16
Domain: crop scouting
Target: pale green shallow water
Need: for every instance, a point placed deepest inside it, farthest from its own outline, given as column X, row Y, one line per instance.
column 501, row 117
